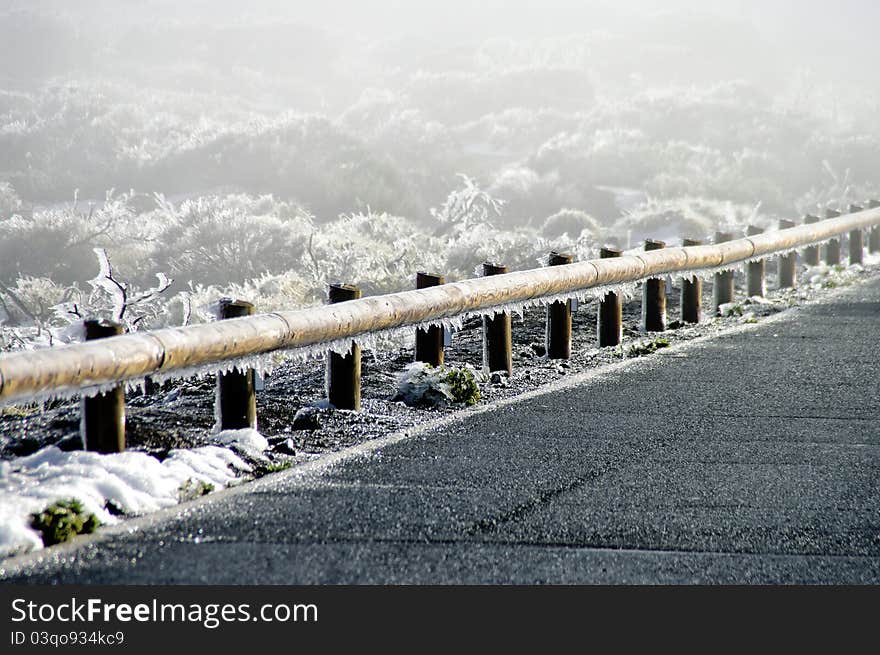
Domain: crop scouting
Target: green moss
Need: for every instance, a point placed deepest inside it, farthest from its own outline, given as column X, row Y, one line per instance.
column 62, row 521
column 193, row 488
column 463, row 386
column 647, row 347
column 275, row 467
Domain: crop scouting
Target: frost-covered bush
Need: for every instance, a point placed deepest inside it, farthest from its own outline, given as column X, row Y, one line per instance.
column 838, row 191
column 377, row 251
column 230, row 239
column 571, row 222
column 423, row 384
column 268, row 293
column 517, row 249
column 118, row 301
column 672, row 219
column 10, row 203
column 467, row 206
column 58, row 242
column 34, row 299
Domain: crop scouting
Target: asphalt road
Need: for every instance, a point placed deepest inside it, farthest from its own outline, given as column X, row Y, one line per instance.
column 752, row 457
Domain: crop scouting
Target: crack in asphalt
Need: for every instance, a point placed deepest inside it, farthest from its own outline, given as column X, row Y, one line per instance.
column 524, row 509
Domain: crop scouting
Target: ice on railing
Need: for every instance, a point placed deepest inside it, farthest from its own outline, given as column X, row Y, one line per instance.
column 265, row 363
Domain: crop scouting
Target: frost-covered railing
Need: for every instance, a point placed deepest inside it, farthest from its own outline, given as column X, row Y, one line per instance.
column 172, row 352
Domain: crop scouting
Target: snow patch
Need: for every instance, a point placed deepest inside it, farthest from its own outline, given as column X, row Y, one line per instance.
column 248, row 442
column 132, row 482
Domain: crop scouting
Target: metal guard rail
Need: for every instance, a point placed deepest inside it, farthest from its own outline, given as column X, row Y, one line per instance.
column 61, row 370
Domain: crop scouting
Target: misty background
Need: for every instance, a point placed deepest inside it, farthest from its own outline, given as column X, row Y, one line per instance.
column 266, row 150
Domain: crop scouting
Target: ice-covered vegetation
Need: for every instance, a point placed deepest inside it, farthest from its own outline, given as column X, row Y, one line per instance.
column 272, row 152
column 270, row 157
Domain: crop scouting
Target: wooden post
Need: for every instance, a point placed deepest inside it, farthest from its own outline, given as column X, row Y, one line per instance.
column 874, row 234
column 722, row 285
column 497, row 339
column 755, row 285
column 236, row 398
column 610, row 320
column 429, row 342
column 103, row 415
column 786, row 265
column 832, row 248
column 344, row 371
column 558, row 334
column 691, row 291
column 856, row 243
column 654, row 297
column 811, row 253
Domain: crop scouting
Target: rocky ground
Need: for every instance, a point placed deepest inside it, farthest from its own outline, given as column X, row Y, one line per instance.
column 180, row 414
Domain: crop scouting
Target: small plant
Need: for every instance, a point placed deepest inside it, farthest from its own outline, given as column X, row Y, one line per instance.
column 731, row 309
column 193, row 488
column 422, row 384
column 463, row 386
column 62, row 521
column 275, row 467
column 647, row 348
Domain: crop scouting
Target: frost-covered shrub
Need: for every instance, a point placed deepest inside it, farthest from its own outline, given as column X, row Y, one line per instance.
column 230, row 239
column 268, row 293
column 118, row 301
column 9, row 201
column 670, row 220
column 34, row 299
column 517, row 249
column 58, row 242
column 423, row 384
column 467, row 206
column 377, row 251
column 571, row 222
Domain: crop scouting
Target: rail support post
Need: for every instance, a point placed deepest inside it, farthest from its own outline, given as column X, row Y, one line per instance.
column 103, row 415
column 691, row 291
column 856, row 243
column 832, row 248
column 236, row 395
column 609, row 326
column 786, row 265
column 722, row 284
column 874, row 234
column 755, row 284
column 343, row 377
column 429, row 342
column 811, row 253
column 497, row 338
column 559, row 318
column 654, row 297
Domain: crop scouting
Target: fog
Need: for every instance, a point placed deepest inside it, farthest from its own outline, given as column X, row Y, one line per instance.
column 266, row 148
